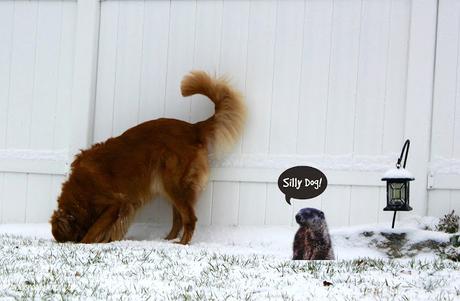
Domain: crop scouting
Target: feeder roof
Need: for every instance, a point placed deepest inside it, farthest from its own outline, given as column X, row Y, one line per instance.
column 398, row 173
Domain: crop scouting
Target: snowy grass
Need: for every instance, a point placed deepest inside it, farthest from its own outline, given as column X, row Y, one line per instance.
column 221, row 264
column 38, row 268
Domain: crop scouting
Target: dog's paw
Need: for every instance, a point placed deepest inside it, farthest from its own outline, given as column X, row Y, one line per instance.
column 172, row 235
column 180, row 242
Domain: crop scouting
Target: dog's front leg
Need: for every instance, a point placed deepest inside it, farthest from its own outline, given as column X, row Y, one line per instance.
column 99, row 230
column 111, row 225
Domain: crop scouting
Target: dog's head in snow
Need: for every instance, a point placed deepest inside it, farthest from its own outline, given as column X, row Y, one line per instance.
column 71, row 220
column 64, row 226
column 310, row 217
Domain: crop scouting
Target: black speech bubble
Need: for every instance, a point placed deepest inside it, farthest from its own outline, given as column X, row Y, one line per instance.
column 292, row 182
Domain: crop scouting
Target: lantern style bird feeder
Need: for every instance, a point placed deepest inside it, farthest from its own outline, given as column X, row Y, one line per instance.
column 398, row 180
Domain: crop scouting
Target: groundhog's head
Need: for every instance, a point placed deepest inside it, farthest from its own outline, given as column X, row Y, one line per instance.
column 310, row 217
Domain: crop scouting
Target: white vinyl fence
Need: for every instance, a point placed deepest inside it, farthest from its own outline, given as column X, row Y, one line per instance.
column 335, row 84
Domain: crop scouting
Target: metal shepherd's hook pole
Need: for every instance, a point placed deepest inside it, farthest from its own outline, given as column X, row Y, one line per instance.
column 398, row 165
column 394, row 218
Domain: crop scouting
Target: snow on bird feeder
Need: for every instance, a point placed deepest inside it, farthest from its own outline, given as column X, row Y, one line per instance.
column 398, row 183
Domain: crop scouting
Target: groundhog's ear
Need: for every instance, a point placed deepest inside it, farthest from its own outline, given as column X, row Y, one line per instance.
column 321, row 214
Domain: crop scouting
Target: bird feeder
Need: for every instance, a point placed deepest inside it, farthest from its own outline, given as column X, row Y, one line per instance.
column 398, row 184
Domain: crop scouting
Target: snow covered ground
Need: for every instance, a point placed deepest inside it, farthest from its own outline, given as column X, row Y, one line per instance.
column 228, row 263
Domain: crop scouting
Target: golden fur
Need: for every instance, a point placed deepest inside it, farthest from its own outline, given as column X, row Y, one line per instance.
column 110, row 181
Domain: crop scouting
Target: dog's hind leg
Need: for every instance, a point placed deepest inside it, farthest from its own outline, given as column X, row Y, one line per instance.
column 111, row 225
column 182, row 187
column 189, row 219
column 183, row 200
column 176, row 226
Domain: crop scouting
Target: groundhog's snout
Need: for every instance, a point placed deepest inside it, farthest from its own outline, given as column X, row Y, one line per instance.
column 298, row 218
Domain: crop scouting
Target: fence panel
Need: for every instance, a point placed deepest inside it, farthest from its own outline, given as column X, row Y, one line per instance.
column 333, row 84
column 321, row 79
column 36, row 74
column 444, row 176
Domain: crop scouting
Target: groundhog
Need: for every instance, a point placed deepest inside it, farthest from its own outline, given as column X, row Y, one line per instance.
column 312, row 240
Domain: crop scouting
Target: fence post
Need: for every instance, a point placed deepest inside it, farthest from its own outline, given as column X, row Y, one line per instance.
column 84, row 83
column 419, row 97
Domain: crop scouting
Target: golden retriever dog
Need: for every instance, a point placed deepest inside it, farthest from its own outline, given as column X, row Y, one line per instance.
column 112, row 180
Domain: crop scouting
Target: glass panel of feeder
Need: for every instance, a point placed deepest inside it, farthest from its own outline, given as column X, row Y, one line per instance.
column 397, row 193
column 403, row 192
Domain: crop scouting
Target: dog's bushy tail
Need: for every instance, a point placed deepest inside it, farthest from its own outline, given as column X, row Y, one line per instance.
column 222, row 130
